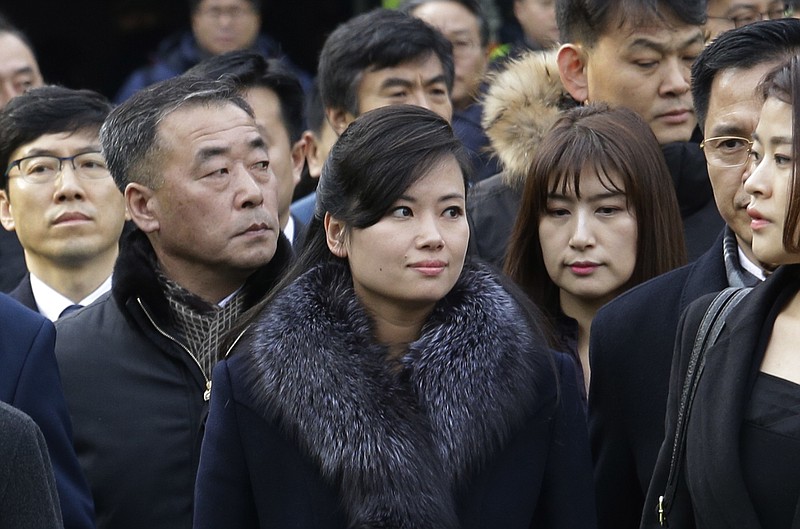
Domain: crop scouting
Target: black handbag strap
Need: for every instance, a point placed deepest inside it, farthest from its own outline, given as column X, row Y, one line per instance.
column 710, row 328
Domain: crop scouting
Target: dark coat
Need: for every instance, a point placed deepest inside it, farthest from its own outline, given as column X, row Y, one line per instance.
column 13, row 258
column 137, row 396
column 309, row 427
column 29, row 381
column 630, row 354
column 23, row 293
column 711, row 490
column 467, row 128
column 492, row 210
column 28, row 498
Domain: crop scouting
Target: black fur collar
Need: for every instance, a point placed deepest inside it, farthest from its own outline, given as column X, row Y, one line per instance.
column 396, row 445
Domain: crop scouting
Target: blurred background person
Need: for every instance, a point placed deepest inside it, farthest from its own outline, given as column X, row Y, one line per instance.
column 463, row 23
column 19, row 72
column 729, row 14
column 217, row 27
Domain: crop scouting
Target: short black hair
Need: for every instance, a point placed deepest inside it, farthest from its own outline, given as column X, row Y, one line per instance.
column 48, row 110
column 585, row 21
column 248, row 69
column 473, row 6
column 381, row 38
column 745, row 47
column 194, row 5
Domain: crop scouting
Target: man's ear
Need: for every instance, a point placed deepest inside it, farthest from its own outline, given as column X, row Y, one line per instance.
column 6, row 218
column 299, row 150
column 142, row 207
column 335, row 235
column 339, row 119
column 572, row 70
column 312, row 154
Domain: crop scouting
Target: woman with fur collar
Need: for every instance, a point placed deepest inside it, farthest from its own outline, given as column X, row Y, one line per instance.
column 386, row 383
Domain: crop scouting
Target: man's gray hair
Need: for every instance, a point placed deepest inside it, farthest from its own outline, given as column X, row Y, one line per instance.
column 129, row 135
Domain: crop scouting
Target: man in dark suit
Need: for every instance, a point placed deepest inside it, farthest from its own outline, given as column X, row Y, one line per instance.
column 632, row 337
column 58, row 197
column 29, row 381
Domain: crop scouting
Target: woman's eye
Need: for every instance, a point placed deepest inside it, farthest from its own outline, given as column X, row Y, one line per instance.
column 608, row 210
column 401, row 212
column 782, row 160
column 557, row 212
column 453, row 212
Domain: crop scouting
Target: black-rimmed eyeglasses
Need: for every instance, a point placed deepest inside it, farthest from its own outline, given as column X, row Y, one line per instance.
column 41, row 169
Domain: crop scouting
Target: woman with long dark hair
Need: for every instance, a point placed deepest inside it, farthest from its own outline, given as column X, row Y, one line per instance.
column 598, row 216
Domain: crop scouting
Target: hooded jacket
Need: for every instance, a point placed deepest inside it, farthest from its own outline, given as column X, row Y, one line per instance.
column 311, row 427
column 137, row 397
column 522, row 103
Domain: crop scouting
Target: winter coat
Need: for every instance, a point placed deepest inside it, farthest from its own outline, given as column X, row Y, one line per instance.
column 29, row 381
column 138, row 399
column 179, row 52
column 733, row 469
column 523, row 101
column 28, row 498
column 310, row 427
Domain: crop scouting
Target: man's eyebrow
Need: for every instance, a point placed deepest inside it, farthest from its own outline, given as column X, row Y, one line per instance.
column 258, row 143
column 207, row 153
column 435, row 80
column 645, row 42
column 726, row 129
column 393, row 82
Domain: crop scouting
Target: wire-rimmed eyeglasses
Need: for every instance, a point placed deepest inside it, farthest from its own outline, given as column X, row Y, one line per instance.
column 747, row 15
column 43, row 168
column 727, row 151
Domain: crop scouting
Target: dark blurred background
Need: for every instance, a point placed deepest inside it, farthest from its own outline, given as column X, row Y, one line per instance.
column 97, row 43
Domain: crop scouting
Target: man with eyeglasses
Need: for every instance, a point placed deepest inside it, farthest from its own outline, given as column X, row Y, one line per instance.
column 729, row 14
column 217, row 27
column 632, row 337
column 462, row 22
column 59, row 197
